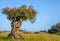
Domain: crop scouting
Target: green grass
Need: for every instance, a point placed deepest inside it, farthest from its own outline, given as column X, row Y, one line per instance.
column 31, row 37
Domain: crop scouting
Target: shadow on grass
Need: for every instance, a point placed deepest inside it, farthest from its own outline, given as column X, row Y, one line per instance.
column 11, row 39
column 4, row 38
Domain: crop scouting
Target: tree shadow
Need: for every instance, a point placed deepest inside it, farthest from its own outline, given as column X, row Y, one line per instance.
column 4, row 38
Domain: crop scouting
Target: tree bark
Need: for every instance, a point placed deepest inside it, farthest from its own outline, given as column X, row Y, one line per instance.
column 15, row 29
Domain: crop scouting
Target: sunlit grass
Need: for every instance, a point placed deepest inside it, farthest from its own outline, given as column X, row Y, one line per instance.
column 32, row 37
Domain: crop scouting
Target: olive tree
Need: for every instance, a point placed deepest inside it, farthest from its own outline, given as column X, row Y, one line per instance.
column 17, row 16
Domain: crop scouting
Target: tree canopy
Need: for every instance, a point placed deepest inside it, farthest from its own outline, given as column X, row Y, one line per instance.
column 55, row 28
column 23, row 12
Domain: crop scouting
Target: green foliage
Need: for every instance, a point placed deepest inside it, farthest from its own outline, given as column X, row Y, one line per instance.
column 23, row 12
column 55, row 28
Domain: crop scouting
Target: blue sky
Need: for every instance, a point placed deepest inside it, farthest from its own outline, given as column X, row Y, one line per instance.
column 48, row 14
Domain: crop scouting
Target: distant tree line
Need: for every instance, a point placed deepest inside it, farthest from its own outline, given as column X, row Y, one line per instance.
column 55, row 28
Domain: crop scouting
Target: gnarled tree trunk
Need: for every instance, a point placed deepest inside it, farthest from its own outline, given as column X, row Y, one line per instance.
column 15, row 29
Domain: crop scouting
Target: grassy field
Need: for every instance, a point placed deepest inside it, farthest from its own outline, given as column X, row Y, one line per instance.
column 32, row 37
